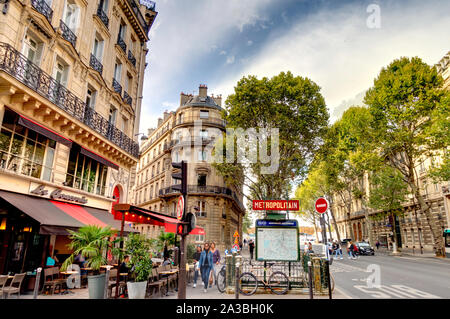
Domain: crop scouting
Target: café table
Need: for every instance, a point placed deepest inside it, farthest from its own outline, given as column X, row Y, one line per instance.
column 167, row 273
column 66, row 274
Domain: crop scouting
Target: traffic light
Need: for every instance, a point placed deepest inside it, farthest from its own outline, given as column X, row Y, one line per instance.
column 191, row 222
column 180, row 229
column 182, row 187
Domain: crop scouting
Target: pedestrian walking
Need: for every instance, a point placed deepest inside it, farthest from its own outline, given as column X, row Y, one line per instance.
column 251, row 247
column 196, row 258
column 337, row 250
column 216, row 261
column 377, row 244
column 206, row 265
column 351, row 248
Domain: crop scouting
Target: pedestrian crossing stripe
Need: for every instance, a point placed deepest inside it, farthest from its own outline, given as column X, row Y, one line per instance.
column 397, row 291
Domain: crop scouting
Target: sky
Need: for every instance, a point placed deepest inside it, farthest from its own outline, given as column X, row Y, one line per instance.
column 335, row 43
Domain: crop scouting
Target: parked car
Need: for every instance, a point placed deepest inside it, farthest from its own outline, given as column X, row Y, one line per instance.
column 364, row 249
column 345, row 241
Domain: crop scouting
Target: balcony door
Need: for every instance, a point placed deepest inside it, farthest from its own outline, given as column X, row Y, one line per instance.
column 32, row 50
column 72, row 16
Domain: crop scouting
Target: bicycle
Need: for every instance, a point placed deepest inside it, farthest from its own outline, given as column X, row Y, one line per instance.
column 278, row 282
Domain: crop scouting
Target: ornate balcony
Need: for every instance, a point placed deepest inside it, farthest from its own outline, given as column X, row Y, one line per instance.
column 42, row 7
column 137, row 12
column 102, row 15
column 68, row 34
column 116, row 86
column 95, row 64
column 131, row 58
column 19, row 67
column 192, row 189
column 122, row 44
column 127, row 99
column 209, row 120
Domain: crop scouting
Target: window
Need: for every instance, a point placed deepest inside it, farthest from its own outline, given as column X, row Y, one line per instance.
column 91, row 95
column 151, row 192
column 72, row 15
column 204, row 134
column 112, row 115
column 157, row 168
column 104, row 5
column 201, row 180
column 202, row 155
column 156, row 190
column 202, row 206
column 97, row 51
column 174, row 209
column 61, row 72
column 24, row 151
column 128, row 83
column 118, row 71
column 200, row 238
column 86, row 173
column 145, row 194
column 32, row 48
column 204, row 114
column 124, row 124
column 122, row 30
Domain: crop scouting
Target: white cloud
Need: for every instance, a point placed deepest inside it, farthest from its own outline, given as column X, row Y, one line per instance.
column 337, row 50
column 230, row 59
column 223, row 52
column 249, row 42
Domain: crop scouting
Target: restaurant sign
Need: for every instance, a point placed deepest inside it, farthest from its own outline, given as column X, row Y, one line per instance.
column 57, row 194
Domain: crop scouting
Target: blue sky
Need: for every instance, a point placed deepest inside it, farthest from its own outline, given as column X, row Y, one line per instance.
column 216, row 42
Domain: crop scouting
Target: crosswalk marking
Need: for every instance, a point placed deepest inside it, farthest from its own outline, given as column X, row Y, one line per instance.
column 398, row 291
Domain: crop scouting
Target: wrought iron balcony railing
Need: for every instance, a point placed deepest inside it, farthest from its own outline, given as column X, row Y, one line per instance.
column 209, row 120
column 116, row 86
column 95, row 64
column 102, row 15
column 122, row 44
column 68, row 34
column 203, row 190
column 137, row 12
column 127, row 99
column 19, row 67
column 42, row 7
column 131, row 58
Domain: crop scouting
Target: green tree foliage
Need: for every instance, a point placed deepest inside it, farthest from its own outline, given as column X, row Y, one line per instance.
column 91, row 242
column 138, row 248
column 292, row 104
column 405, row 102
column 246, row 223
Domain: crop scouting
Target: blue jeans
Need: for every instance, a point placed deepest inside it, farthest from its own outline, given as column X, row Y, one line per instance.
column 351, row 254
column 196, row 275
column 205, row 275
column 338, row 252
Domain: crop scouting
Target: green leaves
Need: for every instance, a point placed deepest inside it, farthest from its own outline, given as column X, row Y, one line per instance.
column 91, row 242
column 138, row 248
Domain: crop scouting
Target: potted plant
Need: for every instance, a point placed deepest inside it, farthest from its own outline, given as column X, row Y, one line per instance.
column 91, row 242
column 137, row 247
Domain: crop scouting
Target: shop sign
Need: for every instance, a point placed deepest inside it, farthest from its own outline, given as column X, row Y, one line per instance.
column 57, row 194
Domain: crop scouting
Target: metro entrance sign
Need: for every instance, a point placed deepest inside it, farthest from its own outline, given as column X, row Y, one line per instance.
column 180, row 207
column 321, row 205
column 276, row 205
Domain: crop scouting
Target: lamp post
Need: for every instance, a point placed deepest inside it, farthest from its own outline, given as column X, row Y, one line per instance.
column 143, row 138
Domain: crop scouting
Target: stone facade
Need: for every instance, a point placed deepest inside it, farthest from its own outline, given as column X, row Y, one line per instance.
column 189, row 134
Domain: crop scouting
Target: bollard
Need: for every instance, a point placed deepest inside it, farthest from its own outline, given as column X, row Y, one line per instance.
column 105, row 293
column 36, row 284
column 317, row 276
column 228, row 273
column 327, row 272
column 310, row 280
column 237, row 273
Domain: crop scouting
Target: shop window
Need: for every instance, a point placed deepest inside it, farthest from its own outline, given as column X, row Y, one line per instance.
column 24, row 151
column 86, row 173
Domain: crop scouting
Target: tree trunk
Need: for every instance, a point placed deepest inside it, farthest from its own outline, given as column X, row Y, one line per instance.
column 369, row 226
column 315, row 228
column 335, row 225
column 425, row 208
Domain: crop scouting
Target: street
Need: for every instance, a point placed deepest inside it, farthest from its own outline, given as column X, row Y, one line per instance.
column 404, row 277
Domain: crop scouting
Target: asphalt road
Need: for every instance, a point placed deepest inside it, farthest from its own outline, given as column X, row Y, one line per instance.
column 404, row 277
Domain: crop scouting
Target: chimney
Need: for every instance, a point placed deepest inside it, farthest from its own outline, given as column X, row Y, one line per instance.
column 160, row 120
column 218, row 100
column 183, row 98
column 150, row 131
column 203, row 90
column 166, row 115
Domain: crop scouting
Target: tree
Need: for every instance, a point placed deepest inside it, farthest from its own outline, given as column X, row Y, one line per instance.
column 295, row 107
column 387, row 194
column 246, row 223
column 405, row 100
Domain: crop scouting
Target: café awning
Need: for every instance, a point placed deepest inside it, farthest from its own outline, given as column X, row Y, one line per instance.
column 57, row 217
column 144, row 216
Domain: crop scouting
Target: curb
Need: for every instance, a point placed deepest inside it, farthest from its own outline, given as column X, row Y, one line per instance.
column 340, row 291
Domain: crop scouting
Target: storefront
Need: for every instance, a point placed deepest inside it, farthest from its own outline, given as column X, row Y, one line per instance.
column 34, row 228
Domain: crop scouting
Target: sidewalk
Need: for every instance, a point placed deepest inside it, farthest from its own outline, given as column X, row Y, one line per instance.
column 408, row 252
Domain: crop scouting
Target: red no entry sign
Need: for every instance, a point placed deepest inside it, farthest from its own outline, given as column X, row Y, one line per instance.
column 321, row 205
column 180, row 207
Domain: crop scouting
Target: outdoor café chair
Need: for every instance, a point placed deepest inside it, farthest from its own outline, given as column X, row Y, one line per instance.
column 14, row 287
column 53, row 283
column 155, row 283
column 3, row 280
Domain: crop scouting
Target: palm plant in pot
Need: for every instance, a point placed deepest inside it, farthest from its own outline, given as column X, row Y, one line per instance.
column 137, row 247
column 91, row 242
